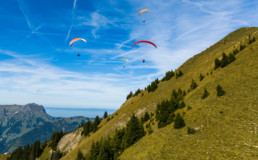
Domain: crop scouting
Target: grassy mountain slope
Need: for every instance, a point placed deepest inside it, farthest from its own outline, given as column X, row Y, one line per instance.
column 227, row 124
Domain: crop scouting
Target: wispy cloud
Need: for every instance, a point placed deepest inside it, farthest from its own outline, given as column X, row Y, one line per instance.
column 25, row 76
column 95, row 20
column 73, row 15
column 25, row 13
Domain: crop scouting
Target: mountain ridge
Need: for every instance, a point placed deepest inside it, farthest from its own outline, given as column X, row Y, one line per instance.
column 23, row 124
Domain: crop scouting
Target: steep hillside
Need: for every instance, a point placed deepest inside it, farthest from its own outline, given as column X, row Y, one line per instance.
column 227, row 125
column 23, row 124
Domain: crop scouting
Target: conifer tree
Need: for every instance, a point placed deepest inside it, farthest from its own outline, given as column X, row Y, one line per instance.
column 137, row 92
column 205, row 93
column 220, row 91
column 129, row 95
column 179, row 122
column 145, row 118
column 87, row 128
column 201, row 77
column 224, row 60
column 217, row 63
column 95, row 124
column 179, row 74
column 193, row 85
column 105, row 115
column 80, row 155
column 231, row 58
column 242, row 47
column 133, row 132
column 182, row 104
column 235, row 51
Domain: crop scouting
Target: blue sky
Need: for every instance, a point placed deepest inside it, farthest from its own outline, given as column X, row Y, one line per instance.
column 38, row 65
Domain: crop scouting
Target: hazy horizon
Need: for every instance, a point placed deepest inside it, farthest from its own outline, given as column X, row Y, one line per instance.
column 71, row 112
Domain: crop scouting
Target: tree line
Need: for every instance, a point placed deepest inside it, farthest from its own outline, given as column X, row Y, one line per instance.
column 111, row 148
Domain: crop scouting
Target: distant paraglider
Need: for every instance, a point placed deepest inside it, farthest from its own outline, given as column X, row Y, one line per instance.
column 75, row 40
column 143, row 61
column 145, row 42
column 124, row 59
column 144, row 10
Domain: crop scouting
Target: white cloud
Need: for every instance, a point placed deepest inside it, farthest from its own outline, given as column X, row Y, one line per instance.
column 23, row 77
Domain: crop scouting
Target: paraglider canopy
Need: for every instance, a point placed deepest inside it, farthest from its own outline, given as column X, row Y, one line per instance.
column 124, row 59
column 145, row 42
column 75, row 40
column 144, row 10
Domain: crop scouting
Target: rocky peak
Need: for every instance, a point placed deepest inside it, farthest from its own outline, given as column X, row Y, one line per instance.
column 33, row 107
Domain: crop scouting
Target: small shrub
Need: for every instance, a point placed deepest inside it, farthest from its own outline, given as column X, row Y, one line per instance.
column 193, row 85
column 220, row 91
column 201, row 77
column 217, row 64
column 231, row 58
column 235, row 51
column 190, row 130
column 205, row 94
column 242, row 47
column 179, row 74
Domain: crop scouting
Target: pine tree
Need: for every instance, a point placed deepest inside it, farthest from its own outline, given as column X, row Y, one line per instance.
column 205, row 93
column 129, row 95
column 95, row 124
column 80, row 155
column 105, row 115
column 224, row 60
column 242, row 47
column 168, row 75
column 182, row 104
column 117, row 141
column 179, row 122
column 193, row 85
column 137, row 92
column 145, row 118
column 217, row 63
column 220, row 91
column 87, row 128
column 201, row 77
column 235, row 51
column 133, row 132
column 231, row 58
column 179, row 74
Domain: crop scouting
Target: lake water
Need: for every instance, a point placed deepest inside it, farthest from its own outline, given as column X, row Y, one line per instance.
column 70, row 112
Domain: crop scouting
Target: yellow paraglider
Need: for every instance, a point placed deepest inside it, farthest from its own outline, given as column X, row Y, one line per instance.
column 144, row 10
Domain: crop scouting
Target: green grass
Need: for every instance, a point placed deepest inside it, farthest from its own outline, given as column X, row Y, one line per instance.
column 228, row 122
column 46, row 154
column 4, row 156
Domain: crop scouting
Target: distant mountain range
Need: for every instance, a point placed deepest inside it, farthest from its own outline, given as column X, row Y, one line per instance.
column 23, row 124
